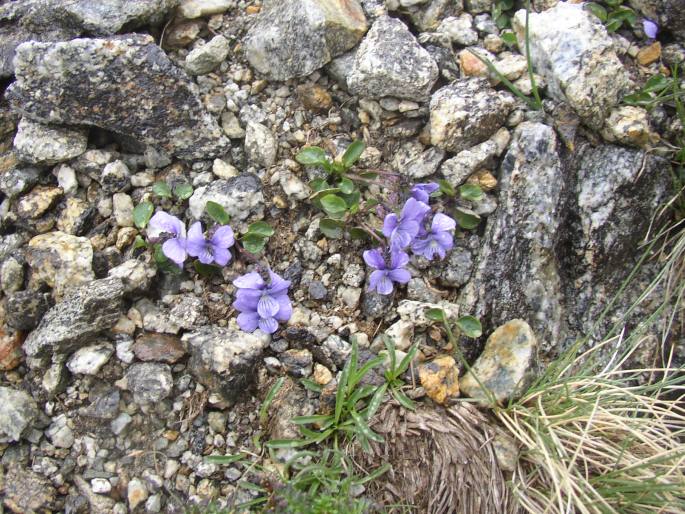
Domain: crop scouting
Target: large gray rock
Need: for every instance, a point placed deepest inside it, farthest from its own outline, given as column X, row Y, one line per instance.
column 17, row 413
column 571, row 49
column 106, row 17
column 224, row 359
column 467, row 112
column 125, row 85
column 84, row 312
column 293, row 38
column 36, row 143
column 390, row 62
column 240, row 196
column 564, row 237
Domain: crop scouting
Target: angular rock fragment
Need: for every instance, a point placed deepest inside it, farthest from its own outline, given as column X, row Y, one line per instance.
column 204, row 59
column 440, row 379
column 192, row 9
column 466, row 113
column 293, row 38
column 26, row 491
column 503, row 368
column 390, row 62
column 571, row 49
column 106, row 17
column 36, row 143
column 148, row 381
column 89, row 359
column 84, row 312
column 151, row 100
column 18, row 411
column 240, row 196
column 158, row 347
column 457, row 169
column 223, row 359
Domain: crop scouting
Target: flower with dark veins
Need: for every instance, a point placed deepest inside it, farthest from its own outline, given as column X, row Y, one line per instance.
column 163, row 226
column 402, row 231
column 438, row 240
column 422, row 192
column 382, row 278
column 262, row 305
column 214, row 249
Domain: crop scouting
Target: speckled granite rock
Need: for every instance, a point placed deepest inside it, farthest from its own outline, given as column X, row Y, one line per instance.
column 36, row 143
column 106, row 17
column 292, row 38
column 390, row 62
column 240, row 196
column 17, row 413
column 151, row 99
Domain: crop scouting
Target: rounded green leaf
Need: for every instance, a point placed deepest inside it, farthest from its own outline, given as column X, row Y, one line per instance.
column 253, row 243
column 330, row 228
column 509, row 38
column 446, row 188
column 597, row 10
column 312, row 156
column 183, row 191
column 333, row 204
column 206, row 270
column 346, row 186
column 261, row 228
column 161, row 189
column 142, row 214
column 353, row 152
column 319, row 184
column 358, row 233
column 471, row 192
column 436, row 315
column 470, row 326
column 217, row 213
column 466, row 218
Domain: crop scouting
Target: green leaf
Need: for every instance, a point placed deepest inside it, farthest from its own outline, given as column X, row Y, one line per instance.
column 331, row 228
column 597, row 10
column 470, row 326
column 333, row 205
column 364, row 428
column 318, row 195
column 341, row 392
column 471, row 192
column 357, row 376
column 163, row 263
column 286, row 443
column 312, row 156
column 352, row 199
column 403, row 399
column 311, row 385
column 268, row 400
column 139, row 243
column 252, row 487
column 509, row 38
column 436, row 315
column 352, row 154
column 390, row 347
column 161, row 189
column 406, row 361
column 253, row 243
column 224, row 459
column 639, row 98
column 346, row 186
column 358, row 233
column 375, row 402
column 206, row 270
column 142, row 214
column 466, row 218
column 217, row 213
column 319, row 184
column 183, row 191
column 502, row 21
column 261, row 228
column 446, row 188
column 307, row 420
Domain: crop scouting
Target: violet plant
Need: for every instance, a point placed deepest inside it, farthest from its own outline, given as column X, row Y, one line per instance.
column 261, row 304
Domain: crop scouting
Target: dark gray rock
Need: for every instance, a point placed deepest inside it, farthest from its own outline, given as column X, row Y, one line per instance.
column 125, row 84
column 84, row 312
column 375, row 305
column 106, row 17
column 467, row 112
column 224, row 359
column 298, row 363
column 24, row 309
column 19, row 180
column 17, row 414
column 317, row 291
column 390, row 62
column 293, row 38
column 148, row 381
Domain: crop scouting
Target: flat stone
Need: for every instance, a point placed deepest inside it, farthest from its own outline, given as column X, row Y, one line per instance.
column 460, row 167
column 150, row 382
column 106, row 17
column 135, row 275
column 503, row 367
column 75, row 216
column 24, row 309
column 115, row 177
column 240, row 196
column 90, row 359
column 26, row 491
column 629, row 125
column 440, row 379
column 570, row 48
column 60, row 260
column 136, row 493
column 10, row 348
column 466, row 113
column 38, row 201
column 261, row 146
column 18, row 412
column 158, row 347
column 19, row 179
column 205, row 58
column 224, row 359
column 390, row 62
column 83, row 312
column 152, row 100
column 59, row 432
column 36, row 143
column 293, row 38
column 191, row 9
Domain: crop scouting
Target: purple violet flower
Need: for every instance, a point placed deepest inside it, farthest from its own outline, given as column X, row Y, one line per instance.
column 438, row 240
column 214, row 249
column 166, row 226
column 402, row 231
column 422, row 192
column 262, row 305
column 381, row 280
column 650, row 28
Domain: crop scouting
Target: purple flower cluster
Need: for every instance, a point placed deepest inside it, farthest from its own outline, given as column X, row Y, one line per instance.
column 262, row 305
column 177, row 246
column 409, row 230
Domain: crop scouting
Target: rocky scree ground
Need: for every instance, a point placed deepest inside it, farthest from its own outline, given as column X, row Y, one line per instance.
column 120, row 378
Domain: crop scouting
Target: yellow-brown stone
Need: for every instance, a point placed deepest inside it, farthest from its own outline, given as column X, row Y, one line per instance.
column 649, row 54
column 471, row 66
column 440, row 379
